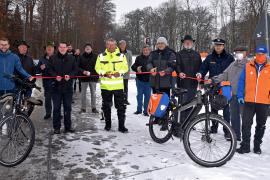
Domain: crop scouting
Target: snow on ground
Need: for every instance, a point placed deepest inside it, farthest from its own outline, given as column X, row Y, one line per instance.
column 111, row 155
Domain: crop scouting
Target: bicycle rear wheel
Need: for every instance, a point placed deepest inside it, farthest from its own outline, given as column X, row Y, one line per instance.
column 17, row 137
column 208, row 149
column 160, row 129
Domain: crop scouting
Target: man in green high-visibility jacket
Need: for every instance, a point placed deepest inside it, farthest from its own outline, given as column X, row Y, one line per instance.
column 111, row 65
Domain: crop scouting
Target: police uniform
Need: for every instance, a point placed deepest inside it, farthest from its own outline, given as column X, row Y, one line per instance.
column 111, row 67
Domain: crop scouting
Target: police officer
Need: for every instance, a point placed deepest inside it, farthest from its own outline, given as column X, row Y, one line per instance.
column 215, row 64
column 42, row 67
column 62, row 66
column 111, row 65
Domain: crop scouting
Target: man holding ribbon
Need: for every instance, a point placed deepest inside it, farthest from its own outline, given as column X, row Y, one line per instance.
column 111, row 66
column 63, row 67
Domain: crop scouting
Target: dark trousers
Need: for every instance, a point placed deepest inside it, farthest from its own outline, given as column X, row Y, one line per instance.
column 143, row 95
column 162, row 90
column 186, row 98
column 48, row 101
column 235, row 113
column 226, row 115
column 107, row 103
column 126, row 89
column 58, row 99
column 250, row 109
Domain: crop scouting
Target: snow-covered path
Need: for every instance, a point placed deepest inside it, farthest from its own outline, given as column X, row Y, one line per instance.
column 113, row 155
column 92, row 153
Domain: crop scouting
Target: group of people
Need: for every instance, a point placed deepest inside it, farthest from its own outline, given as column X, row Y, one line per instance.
column 250, row 80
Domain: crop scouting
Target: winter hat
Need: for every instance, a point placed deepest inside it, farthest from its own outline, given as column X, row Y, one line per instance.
column 187, row 37
column 22, row 42
column 261, row 49
column 162, row 40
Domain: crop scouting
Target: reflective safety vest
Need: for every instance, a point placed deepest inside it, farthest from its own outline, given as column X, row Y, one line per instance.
column 111, row 63
column 257, row 84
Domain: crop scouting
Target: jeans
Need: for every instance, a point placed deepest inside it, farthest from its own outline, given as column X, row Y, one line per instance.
column 235, row 112
column 143, row 95
column 92, row 86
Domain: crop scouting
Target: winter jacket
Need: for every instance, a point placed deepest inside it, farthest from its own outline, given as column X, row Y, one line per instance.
column 128, row 55
column 87, row 62
column 28, row 64
column 44, row 60
column 61, row 65
column 188, row 62
column 254, row 83
column 111, row 63
column 232, row 74
column 163, row 60
column 141, row 61
column 10, row 62
column 215, row 64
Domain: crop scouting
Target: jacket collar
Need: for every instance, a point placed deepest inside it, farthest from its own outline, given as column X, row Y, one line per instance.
column 61, row 55
column 219, row 55
column 117, row 51
column 6, row 53
column 87, row 55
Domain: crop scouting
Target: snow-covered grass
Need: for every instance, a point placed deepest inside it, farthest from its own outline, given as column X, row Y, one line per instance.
column 113, row 155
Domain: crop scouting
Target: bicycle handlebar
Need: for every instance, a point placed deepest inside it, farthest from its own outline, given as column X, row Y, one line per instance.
column 23, row 83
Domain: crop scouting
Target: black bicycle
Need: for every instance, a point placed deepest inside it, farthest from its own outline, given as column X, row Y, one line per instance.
column 209, row 149
column 17, row 132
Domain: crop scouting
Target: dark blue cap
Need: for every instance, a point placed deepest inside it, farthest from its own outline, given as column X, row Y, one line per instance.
column 261, row 49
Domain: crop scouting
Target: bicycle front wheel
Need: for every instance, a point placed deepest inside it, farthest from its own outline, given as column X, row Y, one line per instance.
column 206, row 148
column 17, row 137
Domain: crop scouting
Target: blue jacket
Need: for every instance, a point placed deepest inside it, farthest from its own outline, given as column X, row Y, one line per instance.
column 9, row 62
column 242, row 80
column 215, row 64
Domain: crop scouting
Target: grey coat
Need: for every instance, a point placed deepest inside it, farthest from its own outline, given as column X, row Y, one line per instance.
column 232, row 74
column 128, row 55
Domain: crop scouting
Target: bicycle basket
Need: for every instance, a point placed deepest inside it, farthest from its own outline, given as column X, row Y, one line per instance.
column 219, row 102
column 158, row 104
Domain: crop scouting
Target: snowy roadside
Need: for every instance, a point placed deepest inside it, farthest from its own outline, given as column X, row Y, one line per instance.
column 92, row 153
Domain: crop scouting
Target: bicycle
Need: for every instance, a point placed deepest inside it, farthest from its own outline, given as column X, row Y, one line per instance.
column 17, row 132
column 202, row 146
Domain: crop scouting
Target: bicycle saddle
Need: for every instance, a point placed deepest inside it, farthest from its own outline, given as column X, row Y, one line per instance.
column 179, row 91
column 34, row 101
column 7, row 95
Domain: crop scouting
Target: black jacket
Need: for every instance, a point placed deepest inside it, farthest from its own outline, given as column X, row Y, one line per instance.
column 141, row 61
column 87, row 62
column 47, row 83
column 28, row 64
column 188, row 62
column 163, row 60
column 215, row 63
column 61, row 65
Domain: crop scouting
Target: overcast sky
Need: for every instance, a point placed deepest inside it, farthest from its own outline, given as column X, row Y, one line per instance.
column 125, row 6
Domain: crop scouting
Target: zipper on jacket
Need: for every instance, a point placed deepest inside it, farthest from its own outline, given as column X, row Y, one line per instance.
column 256, row 91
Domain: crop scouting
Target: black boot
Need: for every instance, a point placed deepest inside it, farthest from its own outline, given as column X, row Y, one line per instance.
column 47, row 116
column 243, row 149
column 123, row 129
column 108, row 125
column 257, row 149
column 214, row 127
